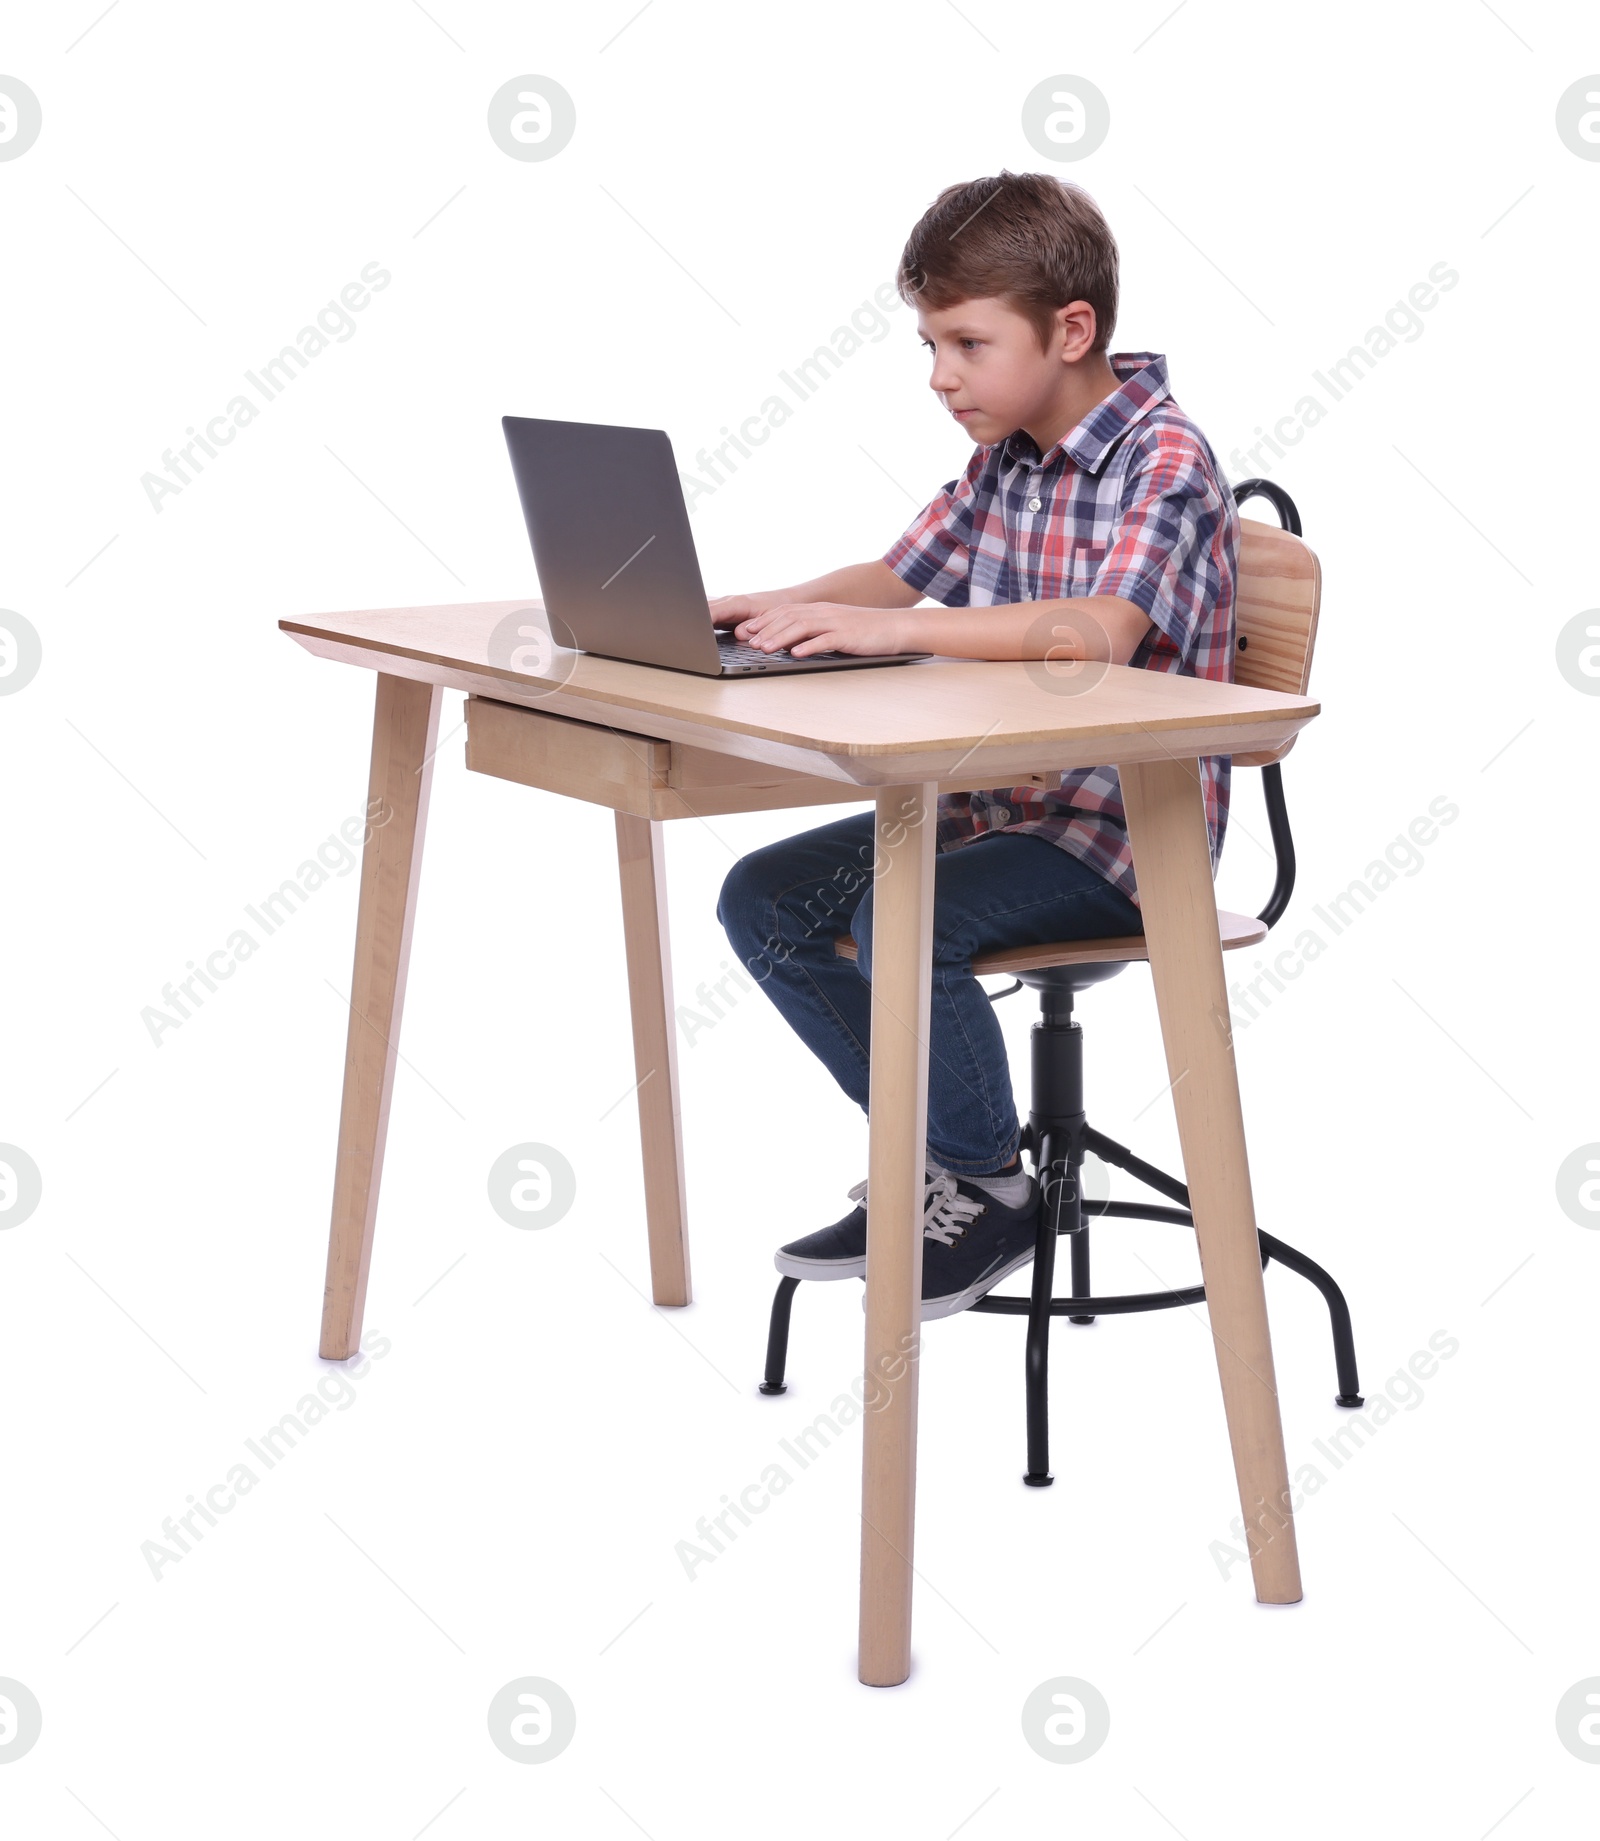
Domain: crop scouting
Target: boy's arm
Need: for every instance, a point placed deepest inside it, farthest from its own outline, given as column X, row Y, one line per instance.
column 1101, row 627
column 871, row 584
column 1098, row 626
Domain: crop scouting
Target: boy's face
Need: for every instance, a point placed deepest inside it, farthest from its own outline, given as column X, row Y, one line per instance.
column 988, row 369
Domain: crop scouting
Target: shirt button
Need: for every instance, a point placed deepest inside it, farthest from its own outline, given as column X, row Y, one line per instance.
column 1035, row 504
column 1001, row 816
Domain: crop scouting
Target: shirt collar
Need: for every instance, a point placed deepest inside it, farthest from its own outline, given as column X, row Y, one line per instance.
column 1142, row 384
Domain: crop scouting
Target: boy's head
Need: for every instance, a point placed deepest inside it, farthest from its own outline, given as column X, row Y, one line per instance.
column 1014, row 279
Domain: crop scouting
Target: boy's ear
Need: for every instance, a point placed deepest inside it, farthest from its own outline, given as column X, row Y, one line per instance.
column 1077, row 324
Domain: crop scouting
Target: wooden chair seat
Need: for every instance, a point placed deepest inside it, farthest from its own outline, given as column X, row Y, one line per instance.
column 1236, row 929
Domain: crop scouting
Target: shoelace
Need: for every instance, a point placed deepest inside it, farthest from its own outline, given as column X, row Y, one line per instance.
column 946, row 1212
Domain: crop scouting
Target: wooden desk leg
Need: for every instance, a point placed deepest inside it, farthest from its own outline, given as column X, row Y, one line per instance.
column 405, row 729
column 897, row 1098
column 1167, row 829
column 655, row 1053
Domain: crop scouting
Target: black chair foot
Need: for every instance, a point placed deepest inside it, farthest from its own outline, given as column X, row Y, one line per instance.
column 1083, row 1319
column 778, row 1336
column 1034, row 1482
column 1344, row 1346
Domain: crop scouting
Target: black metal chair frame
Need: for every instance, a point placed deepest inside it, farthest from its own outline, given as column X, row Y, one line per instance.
column 1058, row 1135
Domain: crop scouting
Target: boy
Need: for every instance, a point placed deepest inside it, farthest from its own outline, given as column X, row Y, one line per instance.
column 1092, row 522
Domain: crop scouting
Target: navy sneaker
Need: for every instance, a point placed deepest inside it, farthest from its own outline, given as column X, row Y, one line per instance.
column 971, row 1242
column 840, row 1251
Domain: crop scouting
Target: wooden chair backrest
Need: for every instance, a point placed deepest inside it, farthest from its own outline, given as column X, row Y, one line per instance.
column 1277, row 595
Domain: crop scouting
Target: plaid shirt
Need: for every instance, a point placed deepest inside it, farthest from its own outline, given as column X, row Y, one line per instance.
column 1131, row 502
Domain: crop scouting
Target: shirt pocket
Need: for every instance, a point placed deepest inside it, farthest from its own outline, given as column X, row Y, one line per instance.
column 1084, row 561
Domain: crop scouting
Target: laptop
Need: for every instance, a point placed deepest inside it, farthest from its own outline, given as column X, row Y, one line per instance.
column 616, row 561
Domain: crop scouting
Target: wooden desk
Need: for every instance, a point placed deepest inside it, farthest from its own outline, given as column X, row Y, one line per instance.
column 653, row 745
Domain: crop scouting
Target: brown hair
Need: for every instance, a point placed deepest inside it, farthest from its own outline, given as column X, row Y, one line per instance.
column 1029, row 239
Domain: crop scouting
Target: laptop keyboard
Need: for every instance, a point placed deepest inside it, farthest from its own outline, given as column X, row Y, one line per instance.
column 737, row 652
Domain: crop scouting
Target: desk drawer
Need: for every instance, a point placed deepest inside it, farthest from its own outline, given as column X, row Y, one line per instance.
column 633, row 773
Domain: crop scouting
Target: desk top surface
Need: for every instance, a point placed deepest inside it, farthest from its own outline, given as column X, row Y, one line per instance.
column 866, row 720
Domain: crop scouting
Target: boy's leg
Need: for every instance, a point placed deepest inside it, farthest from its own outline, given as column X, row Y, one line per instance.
column 782, row 907
column 1004, row 889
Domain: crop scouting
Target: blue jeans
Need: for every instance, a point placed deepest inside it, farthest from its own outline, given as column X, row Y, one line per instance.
column 783, row 906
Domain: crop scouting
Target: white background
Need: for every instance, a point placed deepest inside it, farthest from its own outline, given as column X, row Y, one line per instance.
column 506, row 1492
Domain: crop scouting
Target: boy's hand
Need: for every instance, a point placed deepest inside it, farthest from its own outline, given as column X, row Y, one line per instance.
column 729, row 608
column 805, row 627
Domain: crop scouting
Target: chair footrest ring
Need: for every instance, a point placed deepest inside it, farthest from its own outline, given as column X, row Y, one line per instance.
column 1095, row 1307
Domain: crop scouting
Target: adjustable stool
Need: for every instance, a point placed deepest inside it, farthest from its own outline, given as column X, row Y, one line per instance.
column 1277, row 597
